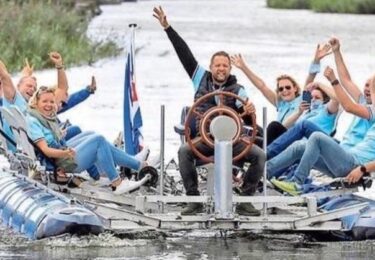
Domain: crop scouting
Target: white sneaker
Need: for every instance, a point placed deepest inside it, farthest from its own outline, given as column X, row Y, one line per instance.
column 143, row 155
column 102, row 182
column 127, row 186
column 83, row 175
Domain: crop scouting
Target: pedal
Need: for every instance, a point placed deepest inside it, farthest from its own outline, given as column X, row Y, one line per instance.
column 152, row 172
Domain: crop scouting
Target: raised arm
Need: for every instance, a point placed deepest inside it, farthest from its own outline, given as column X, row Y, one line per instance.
column 347, row 103
column 182, row 49
column 79, row 96
column 343, row 73
column 62, row 81
column 9, row 90
column 267, row 92
column 333, row 104
column 320, row 52
column 290, row 120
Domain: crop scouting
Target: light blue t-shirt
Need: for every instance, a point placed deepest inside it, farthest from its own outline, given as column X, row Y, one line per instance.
column 364, row 151
column 322, row 118
column 36, row 131
column 358, row 128
column 197, row 78
column 285, row 109
column 20, row 102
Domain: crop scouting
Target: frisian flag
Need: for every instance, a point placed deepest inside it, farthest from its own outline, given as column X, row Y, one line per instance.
column 132, row 112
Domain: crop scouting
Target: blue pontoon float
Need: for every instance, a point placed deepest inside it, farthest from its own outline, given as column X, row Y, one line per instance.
column 36, row 211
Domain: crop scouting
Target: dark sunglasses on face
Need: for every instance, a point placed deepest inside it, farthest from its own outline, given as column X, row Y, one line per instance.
column 281, row 89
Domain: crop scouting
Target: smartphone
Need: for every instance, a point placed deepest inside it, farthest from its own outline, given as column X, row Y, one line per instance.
column 306, row 96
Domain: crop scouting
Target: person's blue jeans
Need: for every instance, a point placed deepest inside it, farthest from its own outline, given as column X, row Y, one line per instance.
column 75, row 140
column 95, row 149
column 325, row 154
column 75, row 136
column 291, row 155
column 301, row 129
column 72, row 131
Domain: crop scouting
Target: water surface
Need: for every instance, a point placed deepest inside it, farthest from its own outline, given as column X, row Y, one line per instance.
column 273, row 42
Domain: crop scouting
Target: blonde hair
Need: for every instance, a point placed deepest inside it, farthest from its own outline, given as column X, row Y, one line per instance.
column 36, row 96
column 291, row 79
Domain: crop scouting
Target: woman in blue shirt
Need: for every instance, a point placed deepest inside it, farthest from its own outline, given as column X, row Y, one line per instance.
column 82, row 151
column 287, row 96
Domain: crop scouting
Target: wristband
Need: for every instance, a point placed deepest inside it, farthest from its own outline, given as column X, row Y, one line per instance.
column 363, row 169
column 335, row 82
column 59, row 67
column 314, row 68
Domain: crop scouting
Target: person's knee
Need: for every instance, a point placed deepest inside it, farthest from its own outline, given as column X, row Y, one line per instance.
column 97, row 138
column 316, row 137
column 261, row 158
column 258, row 153
column 305, row 123
column 72, row 131
column 297, row 149
column 184, row 151
column 274, row 126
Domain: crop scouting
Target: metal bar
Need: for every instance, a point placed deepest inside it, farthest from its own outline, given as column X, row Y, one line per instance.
column 334, row 214
column 119, row 214
column 332, row 193
column 162, row 141
column 101, row 195
column 175, row 199
column 311, row 206
column 236, row 199
column 210, row 179
column 223, row 179
column 265, row 206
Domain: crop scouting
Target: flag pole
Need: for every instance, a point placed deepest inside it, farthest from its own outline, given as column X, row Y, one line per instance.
column 132, row 114
column 132, row 27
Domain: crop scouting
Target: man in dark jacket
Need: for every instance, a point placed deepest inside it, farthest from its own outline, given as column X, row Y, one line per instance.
column 217, row 78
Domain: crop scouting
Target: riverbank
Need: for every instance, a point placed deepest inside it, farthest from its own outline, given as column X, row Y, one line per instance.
column 323, row 6
column 38, row 27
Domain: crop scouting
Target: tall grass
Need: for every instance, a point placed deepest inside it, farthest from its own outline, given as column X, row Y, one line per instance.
column 344, row 6
column 329, row 6
column 34, row 28
column 289, row 4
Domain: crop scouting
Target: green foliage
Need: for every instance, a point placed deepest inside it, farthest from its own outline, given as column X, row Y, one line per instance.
column 289, row 4
column 329, row 6
column 344, row 6
column 34, row 28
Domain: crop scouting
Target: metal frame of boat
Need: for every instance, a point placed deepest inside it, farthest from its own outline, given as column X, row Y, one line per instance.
column 161, row 212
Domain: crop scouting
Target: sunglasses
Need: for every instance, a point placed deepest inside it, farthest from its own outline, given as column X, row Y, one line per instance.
column 44, row 89
column 281, row 89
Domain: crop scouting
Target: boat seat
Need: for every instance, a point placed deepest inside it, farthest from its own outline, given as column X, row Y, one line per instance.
column 3, row 140
column 27, row 154
column 18, row 125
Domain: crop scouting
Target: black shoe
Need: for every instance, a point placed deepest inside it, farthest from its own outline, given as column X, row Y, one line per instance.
column 192, row 209
column 247, row 209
